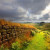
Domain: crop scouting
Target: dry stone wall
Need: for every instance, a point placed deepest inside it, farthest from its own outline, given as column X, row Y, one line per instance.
column 9, row 33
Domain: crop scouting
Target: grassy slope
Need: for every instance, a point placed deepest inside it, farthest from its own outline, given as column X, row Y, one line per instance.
column 38, row 42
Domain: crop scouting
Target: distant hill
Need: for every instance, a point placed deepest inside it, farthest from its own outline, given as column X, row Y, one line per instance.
column 4, row 22
column 46, row 27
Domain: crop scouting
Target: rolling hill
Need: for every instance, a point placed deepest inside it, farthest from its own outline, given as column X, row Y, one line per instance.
column 11, row 32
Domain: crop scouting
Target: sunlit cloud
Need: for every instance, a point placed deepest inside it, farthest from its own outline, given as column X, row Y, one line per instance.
column 46, row 10
column 20, row 9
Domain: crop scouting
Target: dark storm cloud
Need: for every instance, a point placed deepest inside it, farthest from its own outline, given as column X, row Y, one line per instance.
column 35, row 5
column 9, row 9
column 10, row 15
column 7, row 13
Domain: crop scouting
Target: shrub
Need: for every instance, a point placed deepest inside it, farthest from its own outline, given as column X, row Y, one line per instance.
column 32, row 33
column 24, row 45
column 15, row 46
column 47, row 35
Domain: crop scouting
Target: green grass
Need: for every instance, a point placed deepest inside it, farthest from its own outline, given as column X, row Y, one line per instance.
column 38, row 42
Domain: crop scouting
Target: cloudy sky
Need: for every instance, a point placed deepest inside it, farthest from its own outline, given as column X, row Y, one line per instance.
column 25, row 10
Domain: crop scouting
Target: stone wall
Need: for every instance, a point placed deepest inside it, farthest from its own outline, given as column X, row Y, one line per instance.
column 9, row 33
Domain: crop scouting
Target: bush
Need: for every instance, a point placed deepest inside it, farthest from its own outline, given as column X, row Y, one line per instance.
column 32, row 33
column 15, row 46
column 24, row 45
column 2, row 48
column 47, row 35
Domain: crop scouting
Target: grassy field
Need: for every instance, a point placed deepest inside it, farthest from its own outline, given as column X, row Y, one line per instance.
column 38, row 42
column 29, row 36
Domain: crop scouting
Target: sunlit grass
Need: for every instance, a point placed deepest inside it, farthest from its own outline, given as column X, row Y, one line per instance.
column 38, row 42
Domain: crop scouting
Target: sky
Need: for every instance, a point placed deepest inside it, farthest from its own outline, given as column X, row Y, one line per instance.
column 25, row 10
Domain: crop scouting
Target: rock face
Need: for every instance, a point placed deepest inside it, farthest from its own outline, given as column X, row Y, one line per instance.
column 10, row 31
